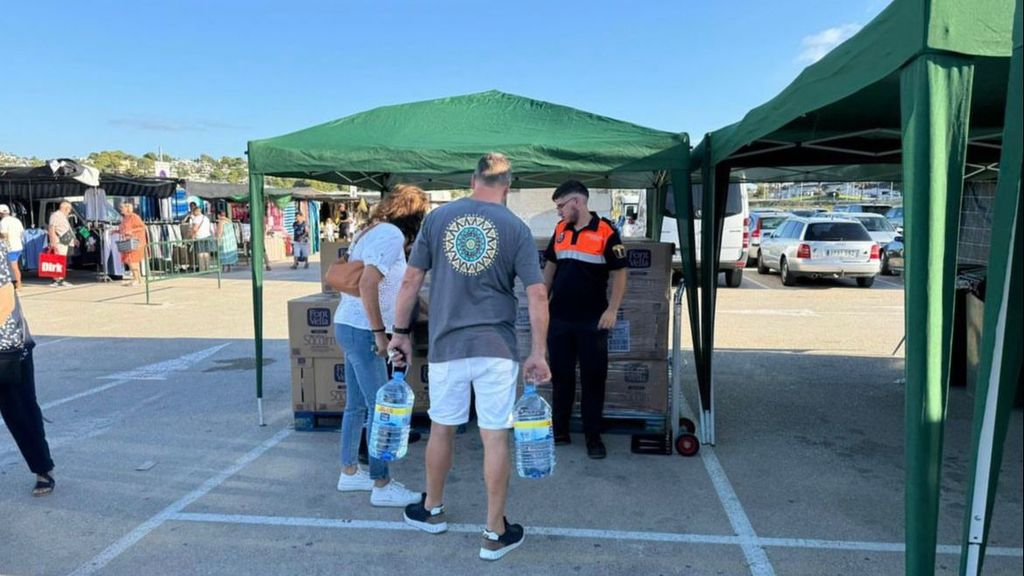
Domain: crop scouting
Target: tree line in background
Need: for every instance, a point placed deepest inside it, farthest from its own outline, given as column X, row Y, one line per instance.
column 205, row 168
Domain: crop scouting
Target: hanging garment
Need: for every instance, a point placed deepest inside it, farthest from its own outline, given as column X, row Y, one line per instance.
column 96, row 205
column 34, row 241
column 111, row 258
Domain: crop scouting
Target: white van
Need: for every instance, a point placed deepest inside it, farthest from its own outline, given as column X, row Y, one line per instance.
column 44, row 208
column 735, row 233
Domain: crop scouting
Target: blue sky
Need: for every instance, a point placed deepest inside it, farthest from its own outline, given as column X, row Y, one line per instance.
column 205, row 76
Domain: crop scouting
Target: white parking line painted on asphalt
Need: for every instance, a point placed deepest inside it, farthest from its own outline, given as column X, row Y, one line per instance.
column 57, row 341
column 157, row 371
column 757, row 559
column 459, row 528
column 756, row 283
column 796, row 312
column 617, row 535
column 140, row 532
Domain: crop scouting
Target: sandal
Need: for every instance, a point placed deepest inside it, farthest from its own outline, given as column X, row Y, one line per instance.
column 43, row 487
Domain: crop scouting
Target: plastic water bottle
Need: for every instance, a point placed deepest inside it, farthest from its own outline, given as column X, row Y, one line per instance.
column 535, row 442
column 392, row 419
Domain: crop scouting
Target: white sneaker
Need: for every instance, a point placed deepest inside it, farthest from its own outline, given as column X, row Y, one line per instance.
column 394, row 495
column 360, row 481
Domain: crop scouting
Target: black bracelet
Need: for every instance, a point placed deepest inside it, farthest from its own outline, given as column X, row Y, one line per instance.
column 402, row 331
column 379, row 330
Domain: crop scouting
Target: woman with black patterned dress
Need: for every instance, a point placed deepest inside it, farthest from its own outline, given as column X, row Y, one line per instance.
column 18, row 405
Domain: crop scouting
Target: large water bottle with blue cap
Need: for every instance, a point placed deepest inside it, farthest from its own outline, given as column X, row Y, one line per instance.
column 392, row 419
column 535, row 442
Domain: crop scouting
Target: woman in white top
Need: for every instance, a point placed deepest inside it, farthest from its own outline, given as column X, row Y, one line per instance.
column 361, row 326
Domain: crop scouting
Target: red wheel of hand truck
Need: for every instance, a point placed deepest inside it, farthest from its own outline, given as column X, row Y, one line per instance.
column 687, row 444
column 687, row 425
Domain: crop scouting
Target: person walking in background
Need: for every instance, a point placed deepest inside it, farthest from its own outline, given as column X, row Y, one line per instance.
column 11, row 232
column 18, row 405
column 330, row 230
column 344, row 223
column 226, row 240
column 300, row 241
column 361, row 325
column 132, row 228
column 202, row 233
column 584, row 250
column 474, row 249
column 62, row 237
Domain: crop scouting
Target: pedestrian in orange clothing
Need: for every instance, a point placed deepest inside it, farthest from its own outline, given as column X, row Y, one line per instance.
column 132, row 227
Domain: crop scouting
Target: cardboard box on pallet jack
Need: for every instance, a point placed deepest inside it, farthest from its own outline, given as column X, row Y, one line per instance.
column 329, row 381
column 303, row 388
column 311, row 326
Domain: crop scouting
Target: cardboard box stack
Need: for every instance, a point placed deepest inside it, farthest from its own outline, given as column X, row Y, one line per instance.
column 638, row 344
column 318, row 364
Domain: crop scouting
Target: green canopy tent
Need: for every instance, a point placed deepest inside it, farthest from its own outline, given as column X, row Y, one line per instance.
column 919, row 94
column 436, row 144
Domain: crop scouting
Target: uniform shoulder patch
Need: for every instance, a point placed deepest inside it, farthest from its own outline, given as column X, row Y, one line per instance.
column 619, row 250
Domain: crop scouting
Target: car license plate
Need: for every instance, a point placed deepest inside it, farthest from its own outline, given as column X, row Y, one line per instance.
column 843, row 253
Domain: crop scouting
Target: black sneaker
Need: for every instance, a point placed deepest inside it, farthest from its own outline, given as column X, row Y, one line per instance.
column 595, row 447
column 562, row 439
column 427, row 520
column 494, row 546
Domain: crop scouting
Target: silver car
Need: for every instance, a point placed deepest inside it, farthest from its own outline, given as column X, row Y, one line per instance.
column 820, row 248
column 878, row 226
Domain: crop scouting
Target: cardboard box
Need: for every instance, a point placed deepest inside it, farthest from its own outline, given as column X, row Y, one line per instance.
column 329, row 253
column 418, row 378
column 649, row 276
column 637, row 385
column 329, row 380
column 311, row 326
column 633, row 387
column 303, row 388
column 640, row 333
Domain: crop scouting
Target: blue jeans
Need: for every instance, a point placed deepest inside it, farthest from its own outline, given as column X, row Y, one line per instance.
column 365, row 373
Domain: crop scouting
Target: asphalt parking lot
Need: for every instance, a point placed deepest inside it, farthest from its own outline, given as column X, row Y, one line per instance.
column 161, row 467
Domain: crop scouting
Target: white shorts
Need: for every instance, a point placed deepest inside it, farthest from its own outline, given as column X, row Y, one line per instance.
column 493, row 380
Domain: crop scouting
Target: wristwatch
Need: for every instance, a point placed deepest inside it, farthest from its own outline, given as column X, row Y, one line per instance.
column 402, row 331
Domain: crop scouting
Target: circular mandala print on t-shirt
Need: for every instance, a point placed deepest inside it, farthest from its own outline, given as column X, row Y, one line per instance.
column 470, row 243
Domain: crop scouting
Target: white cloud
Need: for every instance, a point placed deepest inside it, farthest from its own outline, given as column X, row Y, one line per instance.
column 817, row 45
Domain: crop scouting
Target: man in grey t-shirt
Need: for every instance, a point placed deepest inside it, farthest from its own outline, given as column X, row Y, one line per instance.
column 474, row 249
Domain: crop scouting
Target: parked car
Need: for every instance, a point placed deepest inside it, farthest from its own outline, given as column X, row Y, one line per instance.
column 808, row 212
column 878, row 226
column 763, row 223
column 892, row 257
column 735, row 234
column 895, row 216
column 820, row 247
column 860, row 208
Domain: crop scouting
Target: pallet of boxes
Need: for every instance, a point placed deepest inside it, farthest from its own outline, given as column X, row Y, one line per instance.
column 637, row 391
column 318, row 364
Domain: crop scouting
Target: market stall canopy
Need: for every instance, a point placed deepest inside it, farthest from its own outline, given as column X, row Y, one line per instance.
column 63, row 178
column 240, row 192
column 840, row 119
column 437, row 143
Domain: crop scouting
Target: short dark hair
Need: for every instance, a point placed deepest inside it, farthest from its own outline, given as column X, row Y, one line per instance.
column 570, row 187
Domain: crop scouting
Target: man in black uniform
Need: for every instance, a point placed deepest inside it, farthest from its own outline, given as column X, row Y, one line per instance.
column 584, row 250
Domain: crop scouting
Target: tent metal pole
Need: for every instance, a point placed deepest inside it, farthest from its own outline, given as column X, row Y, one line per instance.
column 256, row 226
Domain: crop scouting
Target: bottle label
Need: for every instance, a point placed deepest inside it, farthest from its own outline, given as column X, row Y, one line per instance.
column 392, row 415
column 532, row 430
